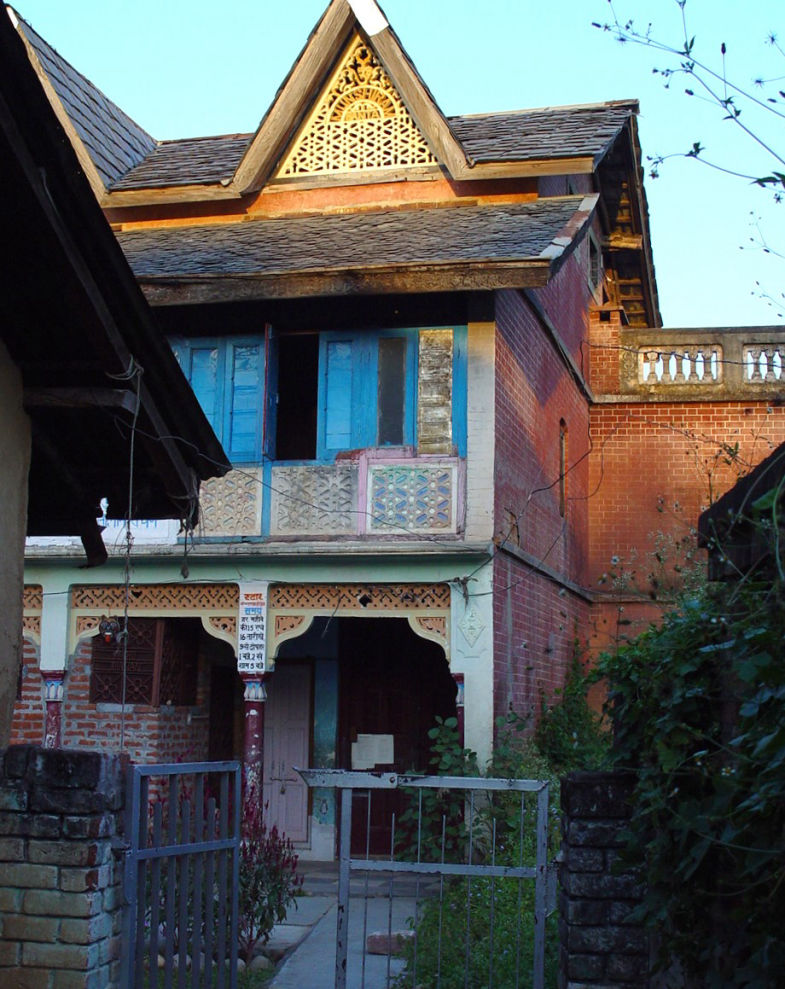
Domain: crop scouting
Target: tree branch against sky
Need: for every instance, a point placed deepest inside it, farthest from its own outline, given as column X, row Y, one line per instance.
column 753, row 108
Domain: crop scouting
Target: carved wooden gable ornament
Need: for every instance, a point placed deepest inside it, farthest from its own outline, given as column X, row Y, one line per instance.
column 358, row 123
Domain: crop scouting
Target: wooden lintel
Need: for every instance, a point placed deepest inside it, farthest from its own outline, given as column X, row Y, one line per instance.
column 168, row 195
column 476, row 276
column 530, row 167
column 79, row 398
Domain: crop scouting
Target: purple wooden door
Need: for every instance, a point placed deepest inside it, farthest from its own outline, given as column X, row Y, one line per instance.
column 287, row 730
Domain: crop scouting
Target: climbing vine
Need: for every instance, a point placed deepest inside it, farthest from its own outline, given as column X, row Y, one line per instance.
column 698, row 710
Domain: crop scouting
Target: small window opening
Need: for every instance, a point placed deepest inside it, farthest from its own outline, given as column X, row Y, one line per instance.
column 298, row 377
column 392, row 391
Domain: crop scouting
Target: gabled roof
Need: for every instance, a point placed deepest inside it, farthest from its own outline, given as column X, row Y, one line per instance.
column 425, row 249
column 126, row 166
column 112, row 140
column 77, row 326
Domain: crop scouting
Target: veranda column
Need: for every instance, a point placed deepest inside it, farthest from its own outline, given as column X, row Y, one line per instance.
column 255, row 698
column 53, row 693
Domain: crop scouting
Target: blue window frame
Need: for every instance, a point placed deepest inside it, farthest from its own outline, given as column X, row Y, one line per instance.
column 227, row 376
column 367, row 391
column 335, row 391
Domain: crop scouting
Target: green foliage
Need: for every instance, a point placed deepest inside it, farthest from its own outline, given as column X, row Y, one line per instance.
column 570, row 734
column 432, row 824
column 269, row 881
column 472, row 932
column 698, row 709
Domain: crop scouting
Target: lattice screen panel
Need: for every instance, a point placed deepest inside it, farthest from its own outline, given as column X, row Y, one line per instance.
column 360, row 123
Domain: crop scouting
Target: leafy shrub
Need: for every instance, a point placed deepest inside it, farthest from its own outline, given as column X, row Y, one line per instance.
column 570, row 734
column 698, row 709
column 269, row 882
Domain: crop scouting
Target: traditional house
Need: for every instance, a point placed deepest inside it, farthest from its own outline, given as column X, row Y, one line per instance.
column 76, row 335
column 432, row 349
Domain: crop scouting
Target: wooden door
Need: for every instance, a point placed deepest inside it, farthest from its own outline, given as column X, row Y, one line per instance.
column 287, row 732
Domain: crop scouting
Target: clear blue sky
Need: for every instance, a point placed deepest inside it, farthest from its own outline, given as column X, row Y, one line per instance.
column 182, row 68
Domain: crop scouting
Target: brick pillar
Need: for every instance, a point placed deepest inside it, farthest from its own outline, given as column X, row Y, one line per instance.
column 60, row 896
column 599, row 946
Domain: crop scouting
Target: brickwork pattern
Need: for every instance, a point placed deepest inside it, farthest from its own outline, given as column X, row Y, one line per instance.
column 599, row 945
column 536, row 618
column 27, row 727
column 60, row 897
column 149, row 734
column 659, row 465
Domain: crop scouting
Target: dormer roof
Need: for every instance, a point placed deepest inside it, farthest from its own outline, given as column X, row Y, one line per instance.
column 126, row 166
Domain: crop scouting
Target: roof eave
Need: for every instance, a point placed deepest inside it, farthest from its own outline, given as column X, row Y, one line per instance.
column 475, row 275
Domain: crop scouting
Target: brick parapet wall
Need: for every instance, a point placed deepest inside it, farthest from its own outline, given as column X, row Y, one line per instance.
column 599, row 945
column 60, row 901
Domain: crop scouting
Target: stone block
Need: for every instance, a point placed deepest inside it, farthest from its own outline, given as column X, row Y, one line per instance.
column 12, row 850
column 66, row 853
column 601, row 886
column 585, row 912
column 13, row 796
column 60, row 800
column 595, row 834
column 10, row 952
column 86, row 930
column 16, row 759
column 597, row 795
column 14, row 823
column 607, row 940
column 44, row 826
column 619, row 911
column 80, row 770
column 10, row 899
column 18, row 927
column 81, row 880
column 584, row 859
column 585, row 967
column 77, row 957
column 55, row 903
column 29, row 876
column 95, row 826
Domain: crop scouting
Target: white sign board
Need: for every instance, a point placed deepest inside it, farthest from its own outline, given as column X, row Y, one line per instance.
column 370, row 751
column 251, row 626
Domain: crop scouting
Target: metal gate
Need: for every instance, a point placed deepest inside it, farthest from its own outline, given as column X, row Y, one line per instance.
column 181, row 874
column 469, row 855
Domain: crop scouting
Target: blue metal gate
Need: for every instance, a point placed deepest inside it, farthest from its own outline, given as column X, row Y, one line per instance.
column 181, row 875
column 469, row 846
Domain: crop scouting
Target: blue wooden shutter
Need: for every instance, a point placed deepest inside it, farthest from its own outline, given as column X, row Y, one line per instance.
column 335, row 399
column 243, row 429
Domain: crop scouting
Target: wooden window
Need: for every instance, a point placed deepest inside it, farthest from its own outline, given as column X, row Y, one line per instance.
column 160, row 664
column 226, row 376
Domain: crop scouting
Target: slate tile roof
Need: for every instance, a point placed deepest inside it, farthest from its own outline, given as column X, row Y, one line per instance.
column 113, row 140
column 194, row 160
column 127, row 157
column 497, row 233
column 551, row 132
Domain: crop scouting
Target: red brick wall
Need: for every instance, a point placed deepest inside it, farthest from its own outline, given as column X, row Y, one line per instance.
column 534, row 393
column 150, row 734
column 655, row 467
column 536, row 625
column 27, row 727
